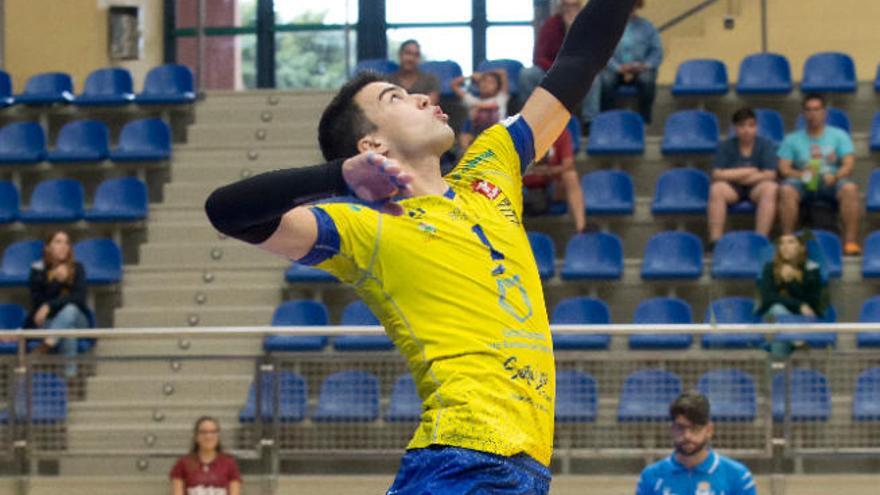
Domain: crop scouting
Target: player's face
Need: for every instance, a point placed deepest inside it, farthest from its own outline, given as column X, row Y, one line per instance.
column 208, row 435
column 814, row 113
column 408, row 125
column 746, row 131
column 690, row 439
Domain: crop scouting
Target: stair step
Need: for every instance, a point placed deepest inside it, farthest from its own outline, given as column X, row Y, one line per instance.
column 173, row 366
column 217, row 253
column 131, row 317
column 181, row 348
column 141, row 277
column 204, row 296
column 161, row 388
column 234, row 135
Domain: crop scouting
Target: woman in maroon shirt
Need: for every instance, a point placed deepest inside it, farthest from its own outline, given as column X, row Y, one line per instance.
column 206, row 469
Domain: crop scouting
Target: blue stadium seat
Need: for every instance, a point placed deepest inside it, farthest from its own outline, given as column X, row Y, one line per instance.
column 17, row 260
column 866, row 401
column 405, row 406
column 764, row 73
column 829, row 72
column 818, row 340
column 874, row 139
column 102, row 260
column 617, row 132
column 107, row 87
column 143, row 140
column 348, row 396
column 608, row 192
column 870, row 313
column 54, row 201
column 574, row 129
column 6, row 98
column 732, row 394
column 872, row 201
column 48, row 401
column 871, row 258
column 46, row 89
column 446, row 71
column 169, row 84
column 81, row 141
column 831, row 251
column 9, row 202
column 292, row 394
column 673, row 255
column 298, row 273
column 662, row 310
column 119, row 200
column 380, row 65
column 22, row 142
column 690, row 132
column 681, row 191
column 770, row 125
column 877, row 80
column 297, row 313
column 512, row 67
column 577, row 397
column 647, row 394
column 705, row 77
column 835, row 118
column 545, row 254
column 732, row 310
column 358, row 313
column 739, row 255
column 581, row 311
column 810, row 396
column 594, row 256
column 12, row 317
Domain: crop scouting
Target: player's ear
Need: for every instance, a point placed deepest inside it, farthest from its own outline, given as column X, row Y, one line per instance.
column 373, row 143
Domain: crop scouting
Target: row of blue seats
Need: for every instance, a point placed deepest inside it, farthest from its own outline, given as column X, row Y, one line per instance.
column 354, row 396
column 101, row 258
column 85, row 141
column 169, row 84
column 62, row 200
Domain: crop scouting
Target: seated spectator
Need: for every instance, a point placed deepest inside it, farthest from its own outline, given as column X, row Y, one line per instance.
column 206, row 469
column 58, row 296
column 816, row 165
column 791, row 284
column 635, row 62
column 744, row 170
column 485, row 110
column 547, row 47
column 410, row 78
column 553, row 177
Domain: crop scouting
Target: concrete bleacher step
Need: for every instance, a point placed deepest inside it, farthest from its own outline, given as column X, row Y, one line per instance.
column 148, row 478
column 137, row 317
column 159, row 436
column 186, row 155
column 270, row 97
column 146, row 277
column 182, row 347
column 183, row 254
column 219, row 387
column 174, row 367
column 231, row 136
column 197, row 231
column 214, row 296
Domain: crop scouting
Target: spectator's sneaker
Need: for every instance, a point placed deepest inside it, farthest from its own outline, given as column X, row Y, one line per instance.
column 852, row 249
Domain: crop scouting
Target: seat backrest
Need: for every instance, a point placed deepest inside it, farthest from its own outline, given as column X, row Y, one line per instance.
column 682, row 183
column 48, row 398
column 741, row 247
column 127, row 192
column 49, row 82
column 83, row 135
column 19, row 256
column 99, row 256
column 835, row 118
column 764, row 68
column 870, row 312
column 11, row 316
column 512, row 67
column 350, row 391
column 829, row 67
column 9, row 198
column 667, row 248
column 874, row 138
column 651, row 385
column 292, row 392
column 581, row 310
column 358, row 313
column 701, row 72
column 868, row 385
column 57, row 193
column 732, row 310
column 301, row 313
column 685, row 125
column 770, row 124
column 576, row 390
column 151, row 134
column 808, row 388
column 22, row 136
column 873, row 195
column 5, row 84
column 380, row 65
column 543, row 249
column 108, row 81
column 404, row 393
column 445, row 70
column 605, row 186
column 595, row 248
column 616, row 126
column 663, row 310
column 728, row 386
column 169, row 79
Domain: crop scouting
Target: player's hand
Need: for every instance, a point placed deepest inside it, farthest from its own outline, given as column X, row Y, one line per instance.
column 829, row 180
column 377, row 179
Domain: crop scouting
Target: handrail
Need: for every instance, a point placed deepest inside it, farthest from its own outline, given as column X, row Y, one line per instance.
column 687, row 14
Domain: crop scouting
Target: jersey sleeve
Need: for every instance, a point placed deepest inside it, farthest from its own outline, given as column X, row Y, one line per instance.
column 746, row 484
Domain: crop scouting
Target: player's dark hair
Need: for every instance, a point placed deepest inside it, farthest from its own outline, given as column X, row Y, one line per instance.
column 407, row 43
column 694, row 406
column 195, row 445
column 813, row 96
column 743, row 114
column 343, row 122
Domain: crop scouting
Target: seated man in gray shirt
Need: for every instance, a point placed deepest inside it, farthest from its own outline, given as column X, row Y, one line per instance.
column 410, row 78
column 744, row 170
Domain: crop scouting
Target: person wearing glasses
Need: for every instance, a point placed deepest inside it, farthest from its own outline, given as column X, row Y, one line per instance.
column 206, row 470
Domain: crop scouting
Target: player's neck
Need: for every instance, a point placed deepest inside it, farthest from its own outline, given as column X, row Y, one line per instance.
column 816, row 131
column 426, row 175
column 208, row 456
column 693, row 461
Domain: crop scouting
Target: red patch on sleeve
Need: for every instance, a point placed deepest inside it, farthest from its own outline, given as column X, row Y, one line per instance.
column 486, row 188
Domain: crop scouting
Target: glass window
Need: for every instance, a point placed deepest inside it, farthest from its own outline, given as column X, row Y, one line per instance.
column 218, row 13
column 514, row 42
column 444, row 43
column 313, row 59
column 316, row 12
column 404, row 11
column 230, row 61
column 510, row 10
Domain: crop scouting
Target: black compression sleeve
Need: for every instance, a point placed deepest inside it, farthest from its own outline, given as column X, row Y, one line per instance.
column 251, row 210
column 588, row 46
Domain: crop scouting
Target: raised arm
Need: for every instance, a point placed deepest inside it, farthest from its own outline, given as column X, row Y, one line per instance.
column 589, row 44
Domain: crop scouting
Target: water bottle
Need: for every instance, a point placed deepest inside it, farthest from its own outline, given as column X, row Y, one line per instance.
column 812, row 176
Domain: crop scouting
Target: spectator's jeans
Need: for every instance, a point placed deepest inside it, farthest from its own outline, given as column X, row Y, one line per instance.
column 645, row 82
column 530, row 78
column 69, row 317
column 775, row 312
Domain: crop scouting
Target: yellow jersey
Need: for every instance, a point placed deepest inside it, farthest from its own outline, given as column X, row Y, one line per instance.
column 454, row 282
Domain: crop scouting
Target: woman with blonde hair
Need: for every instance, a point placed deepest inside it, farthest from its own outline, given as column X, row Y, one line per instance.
column 206, row 469
column 791, row 284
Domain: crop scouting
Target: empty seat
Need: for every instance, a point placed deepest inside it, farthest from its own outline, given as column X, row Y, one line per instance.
column 673, row 255
column 877, row 80
column 12, row 317
column 581, row 311
column 739, row 255
column 22, row 142
column 617, row 132
column 810, row 396
column 511, row 67
column 770, row 125
column 17, row 260
column 81, row 141
column 662, row 311
column 359, row 314
column 405, row 406
column 594, row 256
column 107, row 87
column 380, row 65
column 870, row 313
column 48, row 401
column 764, row 73
column 871, row 258
column 732, row 394
column 732, row 310
column 298, row 273
column 690, row 132
column 681, row 191
column 9, row 202
column 874, row 139
column 102, row 260
column 814, row 340
column 608, row 192
column 348, row 396
column 46, row 89
column 168, row 84
column 143, row 140
column 446, row 71
column 835, row 118
column 119, row 200
column 831, row 252
column 6, row 98
column 647, row 394
column 872, row 199
column 291, row 393
column 866, row 401
column 705, row 77
column 545, row 254
column 297, row 313
column 829, row 72
column 577, row 397
column 54, row 201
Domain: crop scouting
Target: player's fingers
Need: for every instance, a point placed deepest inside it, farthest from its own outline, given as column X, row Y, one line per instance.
column 392, row 208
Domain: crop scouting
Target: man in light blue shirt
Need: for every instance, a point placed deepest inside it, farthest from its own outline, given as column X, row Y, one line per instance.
column 694, row 468
column 635, row 62
column 816, row 164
